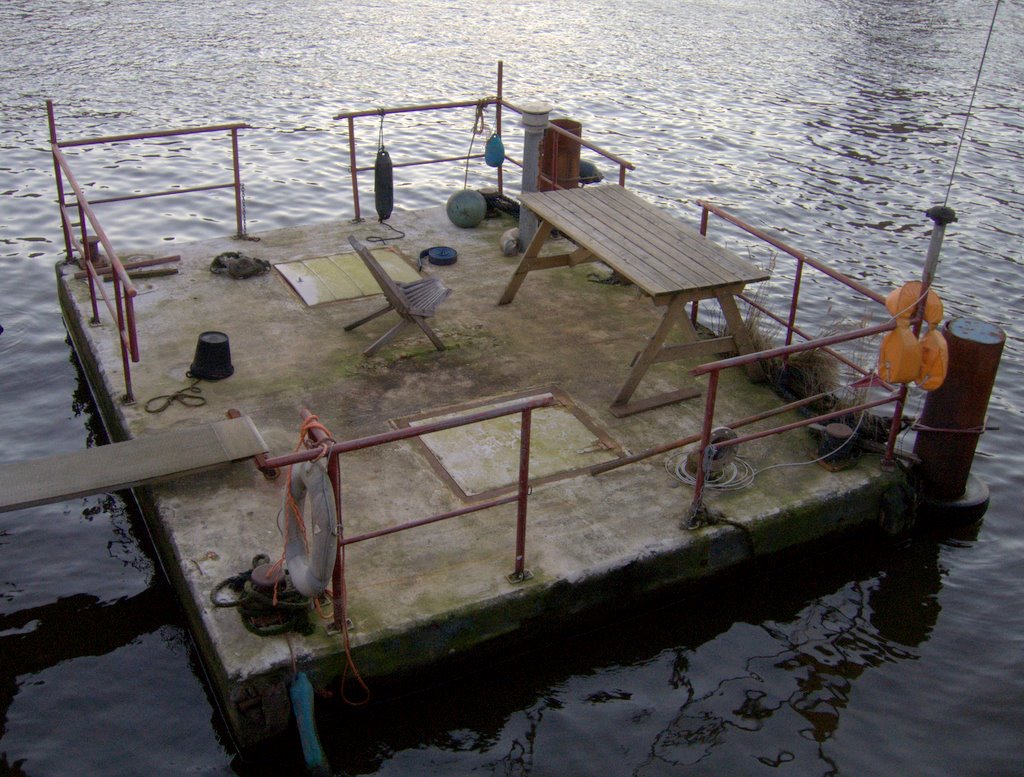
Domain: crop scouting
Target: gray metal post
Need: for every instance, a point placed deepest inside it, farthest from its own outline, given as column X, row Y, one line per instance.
column 941, row 216
column 535, row 120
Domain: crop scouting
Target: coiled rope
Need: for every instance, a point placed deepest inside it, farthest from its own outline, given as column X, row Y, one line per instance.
column 266, row 616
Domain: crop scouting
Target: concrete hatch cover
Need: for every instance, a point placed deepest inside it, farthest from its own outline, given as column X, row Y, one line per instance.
column 343, row 276
column 481, row 461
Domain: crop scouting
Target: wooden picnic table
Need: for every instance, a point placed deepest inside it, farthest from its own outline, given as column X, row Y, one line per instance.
column 667, row 260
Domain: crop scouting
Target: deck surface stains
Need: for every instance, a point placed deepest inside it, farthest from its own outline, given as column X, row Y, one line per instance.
column 483, row 458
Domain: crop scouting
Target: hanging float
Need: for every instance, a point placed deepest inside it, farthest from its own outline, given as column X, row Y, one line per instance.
column 904, row 357
column 494, row 151
column 383, row 178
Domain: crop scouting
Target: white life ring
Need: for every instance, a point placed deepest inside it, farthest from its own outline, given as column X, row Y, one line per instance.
column 310, row 560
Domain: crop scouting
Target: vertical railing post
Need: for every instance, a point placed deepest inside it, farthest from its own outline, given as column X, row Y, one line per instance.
column 497, row 121
column 59, row 178
column 705, row 440
column 89, row 260
column 122, row 335
column 239, row 205
column 793, row 302
column 352, row 167
column 337, row 576
column 133, row 335
column 889, row 457
column 520, row 572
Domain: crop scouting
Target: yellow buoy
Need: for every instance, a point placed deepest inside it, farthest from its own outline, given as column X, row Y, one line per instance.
column 899, row 358
column 934, row 360
column 902, row 303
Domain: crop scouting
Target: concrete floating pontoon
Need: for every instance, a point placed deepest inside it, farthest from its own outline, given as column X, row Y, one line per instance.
column 419, row 596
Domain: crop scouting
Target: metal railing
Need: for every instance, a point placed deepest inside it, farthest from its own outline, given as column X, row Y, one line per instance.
column 802, row 261
column 499, row 104
column 894, row 395
column 559, row 136
column 713, row 369
column 77, row 233
column 324, row 445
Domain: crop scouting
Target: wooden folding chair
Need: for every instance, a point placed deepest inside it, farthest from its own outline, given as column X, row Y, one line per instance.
column 415, row 302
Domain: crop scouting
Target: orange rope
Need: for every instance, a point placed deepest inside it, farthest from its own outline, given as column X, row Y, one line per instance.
column 349, row 662
column 306, row 439
column 291, row 507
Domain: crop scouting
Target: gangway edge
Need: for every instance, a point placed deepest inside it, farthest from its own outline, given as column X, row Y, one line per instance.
column 122, row 465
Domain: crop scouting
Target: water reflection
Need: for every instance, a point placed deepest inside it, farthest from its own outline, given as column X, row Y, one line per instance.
column 759, row 673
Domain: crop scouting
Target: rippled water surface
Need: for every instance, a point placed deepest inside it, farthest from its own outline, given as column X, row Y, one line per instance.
column 831, row 124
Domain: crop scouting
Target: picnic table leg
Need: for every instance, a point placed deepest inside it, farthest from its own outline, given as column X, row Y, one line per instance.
column 532, row 250
column 673, row 313
column 738, row 329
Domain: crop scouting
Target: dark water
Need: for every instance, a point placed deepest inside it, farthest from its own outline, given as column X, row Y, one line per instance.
column 832, row 124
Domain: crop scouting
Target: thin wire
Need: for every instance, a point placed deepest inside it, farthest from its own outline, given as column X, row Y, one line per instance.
column 970, row 107
column 739, row 473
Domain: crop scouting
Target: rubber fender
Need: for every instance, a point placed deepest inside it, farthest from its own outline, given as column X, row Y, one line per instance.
column 383, row 184
column 301, row 694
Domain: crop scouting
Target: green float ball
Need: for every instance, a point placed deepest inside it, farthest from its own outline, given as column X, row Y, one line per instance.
column 467, row 208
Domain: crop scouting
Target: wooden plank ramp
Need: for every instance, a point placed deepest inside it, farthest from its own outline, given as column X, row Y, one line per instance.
column 160, row 456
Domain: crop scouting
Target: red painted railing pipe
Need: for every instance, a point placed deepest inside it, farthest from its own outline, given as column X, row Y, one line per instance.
column 352, row 167
column 153, row 134
column 239, row 221
column 51, row 121
column 705, row 436
column 524, row 493
column 413, row 108
column 793, row 302
column 607, row 466
column 796, row 254
column 457, row 513
column 798, row 331
column 785, row 350
column 209, row 187
column 542, row 400
column 830, row 416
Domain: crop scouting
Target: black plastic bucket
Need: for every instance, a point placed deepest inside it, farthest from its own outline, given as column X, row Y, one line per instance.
column 213, row 357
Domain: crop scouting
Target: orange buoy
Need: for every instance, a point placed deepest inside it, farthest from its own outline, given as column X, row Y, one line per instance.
column 934, row 360
column 899, row 358
column 902, row 303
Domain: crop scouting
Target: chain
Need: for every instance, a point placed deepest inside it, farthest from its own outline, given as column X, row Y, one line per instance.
column 244, row 235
